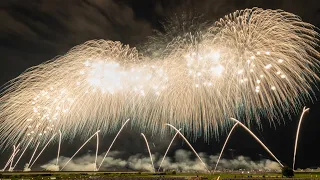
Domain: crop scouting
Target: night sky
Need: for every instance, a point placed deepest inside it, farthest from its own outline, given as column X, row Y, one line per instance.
column 34, row 31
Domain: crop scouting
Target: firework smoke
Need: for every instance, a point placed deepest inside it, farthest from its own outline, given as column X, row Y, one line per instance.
column 181, row 161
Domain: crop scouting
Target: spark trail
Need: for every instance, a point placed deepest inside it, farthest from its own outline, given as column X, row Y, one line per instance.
column 59, row 146
column 79, row 149
column 22, row 153
column 34, row 152
column 113, row 142
column 224, row 145
column 165, row 154
column 15, row 150
column 10, row 168
column 297, row 136
column 5, row 166
column 10, row 158
column 185, row 139
column 42, row 150
column 258, row 140
column 145, row 139
column 97, row 149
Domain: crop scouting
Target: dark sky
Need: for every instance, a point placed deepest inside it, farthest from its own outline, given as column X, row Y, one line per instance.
column 34, row 31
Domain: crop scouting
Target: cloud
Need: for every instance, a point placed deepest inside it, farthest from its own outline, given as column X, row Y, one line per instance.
column 54, row 22
column 37, row 31
column 182, row 160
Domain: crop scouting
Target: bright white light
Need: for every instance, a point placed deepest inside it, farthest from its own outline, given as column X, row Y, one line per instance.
column 217, row 70
column 215, row 56
column 105, row 75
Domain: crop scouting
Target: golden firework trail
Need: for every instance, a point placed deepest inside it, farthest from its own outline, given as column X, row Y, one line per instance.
column 297, row 136
column 224, row 145
column 149, row 151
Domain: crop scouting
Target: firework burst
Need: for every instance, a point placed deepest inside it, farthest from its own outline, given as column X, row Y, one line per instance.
column 250, row 63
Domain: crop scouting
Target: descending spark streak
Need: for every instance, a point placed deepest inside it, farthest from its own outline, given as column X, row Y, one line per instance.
column 79, row 149
column 59, row 146
column 167, row 150
column 224, row 145
column 43, row 149
column 7, row 162
column 113, row 142
column 22, row 153
column 297, row 136
column 189, row 145
column 34, row 152
column 10, row 160
column 11, row 168
column 97, row 149
column 254, row 136
column 14, row 154
column 145, row 139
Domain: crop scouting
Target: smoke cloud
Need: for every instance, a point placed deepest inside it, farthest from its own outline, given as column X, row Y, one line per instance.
column 26, row 167
column 182, row 161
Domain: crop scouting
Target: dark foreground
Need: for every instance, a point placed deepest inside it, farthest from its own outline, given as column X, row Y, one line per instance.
column 45, row 175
